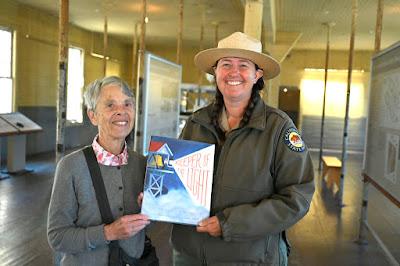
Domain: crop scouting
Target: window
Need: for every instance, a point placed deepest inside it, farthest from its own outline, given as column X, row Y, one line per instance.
column 75, row 85
column 6, row 79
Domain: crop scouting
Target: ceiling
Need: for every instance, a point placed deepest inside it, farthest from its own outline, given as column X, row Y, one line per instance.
column 296, row 23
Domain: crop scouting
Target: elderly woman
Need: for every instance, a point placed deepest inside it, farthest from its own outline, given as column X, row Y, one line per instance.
column 75, row 226
column 263, row 176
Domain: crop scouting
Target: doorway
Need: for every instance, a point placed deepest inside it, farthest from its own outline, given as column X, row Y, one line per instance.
column 289, row 102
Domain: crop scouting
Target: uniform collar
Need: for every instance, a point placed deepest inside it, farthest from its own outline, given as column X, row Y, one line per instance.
column 223, row 121
column 257, row 119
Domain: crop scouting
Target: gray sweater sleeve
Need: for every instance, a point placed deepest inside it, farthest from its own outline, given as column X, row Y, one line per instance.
column 63, row 232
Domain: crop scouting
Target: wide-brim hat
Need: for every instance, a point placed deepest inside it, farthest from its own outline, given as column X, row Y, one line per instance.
column 240, row 45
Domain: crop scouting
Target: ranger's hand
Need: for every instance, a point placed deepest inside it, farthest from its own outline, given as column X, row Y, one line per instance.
column 211, row 226
column 140, row 199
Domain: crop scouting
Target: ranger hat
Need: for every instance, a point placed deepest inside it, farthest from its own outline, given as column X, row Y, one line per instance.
column 239, row 45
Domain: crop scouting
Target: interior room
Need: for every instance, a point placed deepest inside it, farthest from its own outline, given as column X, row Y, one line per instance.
column 339, row 84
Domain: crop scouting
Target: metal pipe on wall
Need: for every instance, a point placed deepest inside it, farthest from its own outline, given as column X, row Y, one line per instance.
column 62, row 77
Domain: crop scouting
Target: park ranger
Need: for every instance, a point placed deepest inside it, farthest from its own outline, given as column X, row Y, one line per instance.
column 263, row 174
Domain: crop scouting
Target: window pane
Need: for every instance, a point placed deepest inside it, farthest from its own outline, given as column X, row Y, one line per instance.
column 75, row 85
column 6, row 95
column 5, row 53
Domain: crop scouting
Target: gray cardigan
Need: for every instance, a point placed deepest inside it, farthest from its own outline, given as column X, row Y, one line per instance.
column 75, row 227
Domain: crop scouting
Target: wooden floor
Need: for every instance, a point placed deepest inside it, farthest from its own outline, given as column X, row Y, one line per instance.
column 326, row 236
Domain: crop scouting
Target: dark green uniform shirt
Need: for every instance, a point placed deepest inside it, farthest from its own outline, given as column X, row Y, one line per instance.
column 263, row 184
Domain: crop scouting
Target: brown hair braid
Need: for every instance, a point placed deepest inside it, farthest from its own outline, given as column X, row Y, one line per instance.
column 216, row 110
column 255, row 95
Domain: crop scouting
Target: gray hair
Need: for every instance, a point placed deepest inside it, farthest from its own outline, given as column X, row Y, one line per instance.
column 93, row 90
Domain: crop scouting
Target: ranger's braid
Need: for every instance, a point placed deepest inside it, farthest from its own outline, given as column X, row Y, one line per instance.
column 255, row 95
column 216, row 111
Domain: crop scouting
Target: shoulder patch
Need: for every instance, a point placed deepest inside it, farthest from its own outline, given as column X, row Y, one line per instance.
column 293, row 140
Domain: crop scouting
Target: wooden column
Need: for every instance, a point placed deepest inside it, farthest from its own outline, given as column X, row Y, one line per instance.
column 62, row 77
column 378, row 28
column 253, row 18
column 140, row 67
column 201, row 48
column 142, row 43
column 216, row 34
column 105, row 45
column 321, row 144
column 180, row 34
column 354, row 10
column 201, row 40
column 134, row 56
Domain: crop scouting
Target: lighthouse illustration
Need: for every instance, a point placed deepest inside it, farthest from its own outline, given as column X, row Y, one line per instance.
column 158, row 161
column 178, row 182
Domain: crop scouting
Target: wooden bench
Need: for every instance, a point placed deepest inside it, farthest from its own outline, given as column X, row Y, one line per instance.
column 331, row 169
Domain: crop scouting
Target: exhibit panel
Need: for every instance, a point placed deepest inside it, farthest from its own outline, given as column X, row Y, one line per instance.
column 159, row 101
column 16, row 126
column 22, row 123
column 382, row 157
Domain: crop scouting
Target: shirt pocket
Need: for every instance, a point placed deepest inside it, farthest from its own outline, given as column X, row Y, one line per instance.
column 247, row 179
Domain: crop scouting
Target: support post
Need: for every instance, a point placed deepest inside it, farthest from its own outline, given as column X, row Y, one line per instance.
column 105, row 45
column 354, row 10
column 62, row 77
column 362, row 239
column 201, row 42
column 140, row 67
column 321, row 143
column 216, row 33
column 180, row 34
column 135, row 56
column 2, row 176
column 378, row 28
column 253, row 18
column 16, row 153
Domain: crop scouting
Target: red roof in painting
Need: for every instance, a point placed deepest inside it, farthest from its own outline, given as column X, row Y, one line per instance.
column 155, row 145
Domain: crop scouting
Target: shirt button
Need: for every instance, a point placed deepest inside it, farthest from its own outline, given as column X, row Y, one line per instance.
column 120, row 188
column 121, row 209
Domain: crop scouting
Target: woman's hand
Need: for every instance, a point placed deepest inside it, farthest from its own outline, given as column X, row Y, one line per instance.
column 125, row 226
column 211, row 226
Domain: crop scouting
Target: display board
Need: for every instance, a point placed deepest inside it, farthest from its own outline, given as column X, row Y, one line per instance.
column 381, row 154
column 20, row 122
column 6, row 128
column 160, row 100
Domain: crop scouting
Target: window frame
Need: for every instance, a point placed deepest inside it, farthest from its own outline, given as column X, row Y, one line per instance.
column 12, row 64
column 72, row 123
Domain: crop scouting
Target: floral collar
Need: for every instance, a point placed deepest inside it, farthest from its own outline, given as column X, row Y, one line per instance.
column 107, row 158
